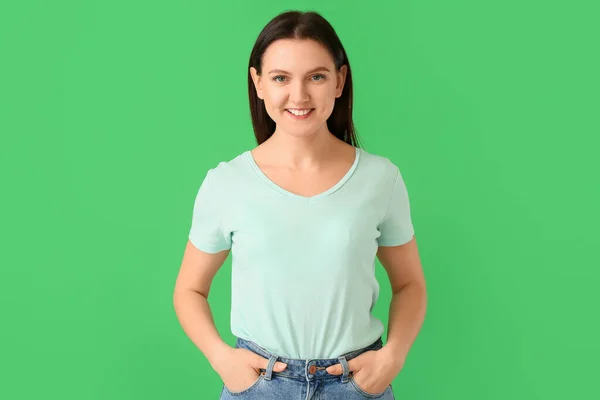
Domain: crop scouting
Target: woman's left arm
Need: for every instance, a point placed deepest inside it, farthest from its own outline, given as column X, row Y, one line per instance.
column 409, row 299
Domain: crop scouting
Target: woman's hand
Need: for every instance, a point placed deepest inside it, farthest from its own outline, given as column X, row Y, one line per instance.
column 240, row 368
column 373, row 371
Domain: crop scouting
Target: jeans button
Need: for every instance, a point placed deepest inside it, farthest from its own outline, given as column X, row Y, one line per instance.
column 312, row 369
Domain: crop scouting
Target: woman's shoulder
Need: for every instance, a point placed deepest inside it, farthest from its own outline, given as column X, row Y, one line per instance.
column 378, row 164
column 230, row 169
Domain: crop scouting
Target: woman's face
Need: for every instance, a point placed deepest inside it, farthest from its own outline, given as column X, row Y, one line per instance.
column 298, row 76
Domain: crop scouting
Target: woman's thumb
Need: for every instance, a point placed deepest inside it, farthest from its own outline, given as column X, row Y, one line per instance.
column 279, row 366
column 335, row 369
column 263, row 363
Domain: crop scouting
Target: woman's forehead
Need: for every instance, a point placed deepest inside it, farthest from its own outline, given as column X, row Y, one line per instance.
column 296, row 55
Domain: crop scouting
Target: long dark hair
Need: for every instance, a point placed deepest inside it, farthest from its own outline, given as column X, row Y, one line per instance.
column 302, row 25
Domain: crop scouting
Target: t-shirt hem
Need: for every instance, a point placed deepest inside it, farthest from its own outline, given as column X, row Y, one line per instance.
column 395, row 241
column 210, row 248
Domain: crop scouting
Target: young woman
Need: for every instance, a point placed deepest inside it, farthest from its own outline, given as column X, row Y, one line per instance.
column 304, row 213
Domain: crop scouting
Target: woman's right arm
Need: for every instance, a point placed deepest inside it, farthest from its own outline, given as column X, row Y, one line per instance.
column 190, row 299
column 238, row 368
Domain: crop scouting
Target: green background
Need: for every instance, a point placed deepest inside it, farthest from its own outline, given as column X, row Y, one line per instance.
column 112, row 111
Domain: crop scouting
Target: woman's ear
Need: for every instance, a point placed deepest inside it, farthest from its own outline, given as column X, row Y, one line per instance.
column 341, row 80
column 257, row 82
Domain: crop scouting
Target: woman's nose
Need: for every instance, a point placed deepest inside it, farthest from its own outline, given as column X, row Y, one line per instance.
column 299, row 93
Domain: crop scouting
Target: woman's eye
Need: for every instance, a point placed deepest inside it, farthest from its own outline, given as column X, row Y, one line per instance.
column 281, row 78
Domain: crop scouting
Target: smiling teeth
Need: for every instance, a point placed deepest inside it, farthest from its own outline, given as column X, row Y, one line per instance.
column 299, row 112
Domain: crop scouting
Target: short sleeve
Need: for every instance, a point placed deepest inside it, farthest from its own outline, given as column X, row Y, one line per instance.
column 396, row 228
column 207, row 232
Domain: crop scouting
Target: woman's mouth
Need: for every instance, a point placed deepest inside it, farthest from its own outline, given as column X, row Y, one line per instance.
column 299, row 113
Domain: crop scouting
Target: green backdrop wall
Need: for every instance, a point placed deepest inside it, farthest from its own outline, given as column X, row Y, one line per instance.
column 112, row 112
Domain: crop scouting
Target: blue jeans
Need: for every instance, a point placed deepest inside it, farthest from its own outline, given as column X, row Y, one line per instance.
column 305, row 379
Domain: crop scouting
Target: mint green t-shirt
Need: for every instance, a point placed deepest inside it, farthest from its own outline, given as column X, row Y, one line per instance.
column 303, row 268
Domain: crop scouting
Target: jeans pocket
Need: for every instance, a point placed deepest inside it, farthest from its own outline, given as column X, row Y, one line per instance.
column 365, row 393
column 257, row 382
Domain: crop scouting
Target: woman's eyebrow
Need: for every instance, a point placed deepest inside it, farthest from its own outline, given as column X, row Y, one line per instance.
column 280, row 71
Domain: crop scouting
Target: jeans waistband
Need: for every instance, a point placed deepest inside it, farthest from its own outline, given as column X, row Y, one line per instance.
column 308, row 369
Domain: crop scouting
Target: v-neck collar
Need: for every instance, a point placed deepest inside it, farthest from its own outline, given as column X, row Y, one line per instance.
column 327, row 192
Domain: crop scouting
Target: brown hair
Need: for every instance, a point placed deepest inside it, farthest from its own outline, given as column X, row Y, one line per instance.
column 302, row 25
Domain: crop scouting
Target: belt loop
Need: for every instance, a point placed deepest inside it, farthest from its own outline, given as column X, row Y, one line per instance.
column 345, row 369
column 272, row 361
